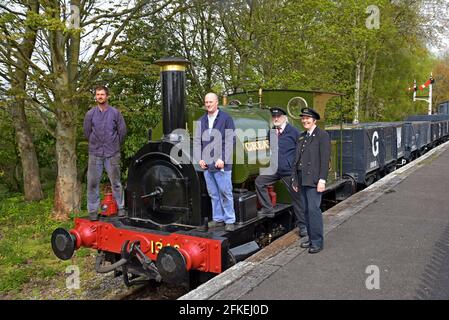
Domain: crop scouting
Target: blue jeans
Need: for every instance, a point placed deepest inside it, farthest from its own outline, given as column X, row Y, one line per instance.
column 219, row 187
column 310, row 205
column 94, row 173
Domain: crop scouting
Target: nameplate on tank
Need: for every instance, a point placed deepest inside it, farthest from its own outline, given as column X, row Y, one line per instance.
column 257, row 145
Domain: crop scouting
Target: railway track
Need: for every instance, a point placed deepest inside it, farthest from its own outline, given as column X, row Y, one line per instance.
column 152, row 291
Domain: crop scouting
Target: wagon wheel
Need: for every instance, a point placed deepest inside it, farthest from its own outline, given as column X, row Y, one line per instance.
column 353, row 183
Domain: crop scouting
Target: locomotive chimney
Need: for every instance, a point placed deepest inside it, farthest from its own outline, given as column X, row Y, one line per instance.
column 173, row 91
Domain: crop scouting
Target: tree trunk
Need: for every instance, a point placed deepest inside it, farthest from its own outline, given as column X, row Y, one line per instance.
column 359, row 79
column 357, row 91
column 30, row 167
column 67, row 189
column 369, row 94
column 65, row 58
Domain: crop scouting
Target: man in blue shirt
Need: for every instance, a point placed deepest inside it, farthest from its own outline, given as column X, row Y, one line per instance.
column 105, row 129
column 287, row 136
column 214, row 136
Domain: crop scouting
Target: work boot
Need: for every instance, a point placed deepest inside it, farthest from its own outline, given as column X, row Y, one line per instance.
column 315, row 249
column 93, row 216
column 229, row 227
column 214, row 224
column 303, row 233
column 304, row 244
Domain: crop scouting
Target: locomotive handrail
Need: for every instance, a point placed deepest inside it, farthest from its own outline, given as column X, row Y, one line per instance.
column 164, row 225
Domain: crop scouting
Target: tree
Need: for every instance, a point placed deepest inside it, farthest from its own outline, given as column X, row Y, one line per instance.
column 16, row 75
column 327, row 45
column 75, row 41
column 441, row 75
column 9, row 159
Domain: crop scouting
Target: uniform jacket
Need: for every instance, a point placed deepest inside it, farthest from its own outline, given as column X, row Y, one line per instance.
column 287, row 150
column 312, row 158
column 211, row 148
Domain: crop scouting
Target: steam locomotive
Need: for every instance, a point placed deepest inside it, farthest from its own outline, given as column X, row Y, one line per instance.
column 165, row 236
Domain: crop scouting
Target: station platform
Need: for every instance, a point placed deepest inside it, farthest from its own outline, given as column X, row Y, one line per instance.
column 388, row 241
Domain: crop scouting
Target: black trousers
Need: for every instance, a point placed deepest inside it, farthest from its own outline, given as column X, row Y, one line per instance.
column 310, row 202
column 263, row 181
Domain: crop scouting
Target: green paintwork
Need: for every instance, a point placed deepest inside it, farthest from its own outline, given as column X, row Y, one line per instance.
column 251, row 124
column 271, row 98
column 315, row 99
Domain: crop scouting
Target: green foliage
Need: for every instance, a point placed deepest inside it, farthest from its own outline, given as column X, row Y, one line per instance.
column 10, row 164
column 25, row 230
column 9, row 180
column 25, row 249
column 237, row 45
column 441, row 74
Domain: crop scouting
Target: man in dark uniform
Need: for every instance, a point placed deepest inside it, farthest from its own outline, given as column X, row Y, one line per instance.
column 309, row 176
column 286, row 143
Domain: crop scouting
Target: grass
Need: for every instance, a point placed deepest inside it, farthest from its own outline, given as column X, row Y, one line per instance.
column 25, row 249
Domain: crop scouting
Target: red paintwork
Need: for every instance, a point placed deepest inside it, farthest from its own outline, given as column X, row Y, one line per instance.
column 200, row 253
column 272, row 195
column 109, row 205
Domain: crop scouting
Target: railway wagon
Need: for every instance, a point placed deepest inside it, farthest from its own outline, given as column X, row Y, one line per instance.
column 394, row 136
column 417, row 138
column 369, row 150
column 439, row 126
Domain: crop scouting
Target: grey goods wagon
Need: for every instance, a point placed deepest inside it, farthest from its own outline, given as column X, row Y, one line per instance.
column 417, row 138
column 439, row 126
column 369, row 150
column 394, row 140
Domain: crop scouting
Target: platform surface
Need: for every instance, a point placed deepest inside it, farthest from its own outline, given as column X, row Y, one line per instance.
column 389, row 241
